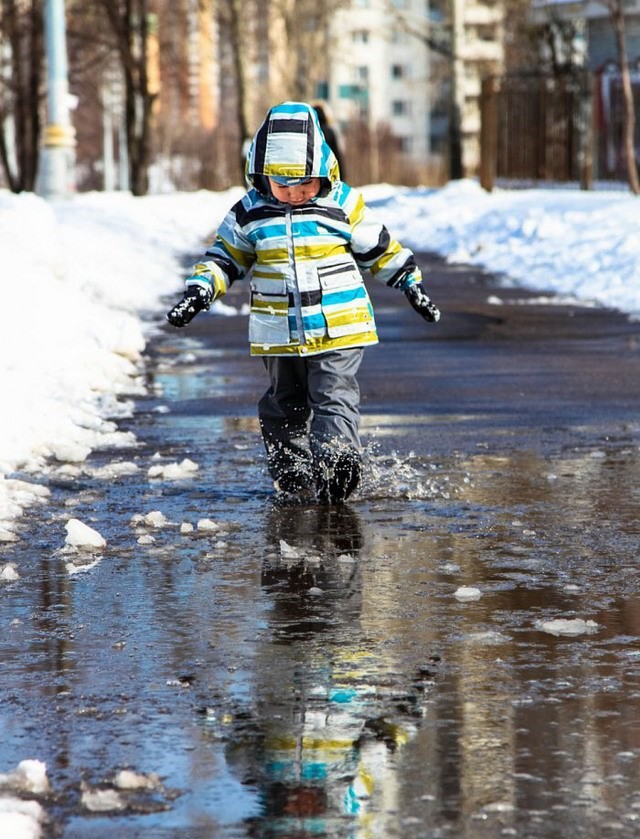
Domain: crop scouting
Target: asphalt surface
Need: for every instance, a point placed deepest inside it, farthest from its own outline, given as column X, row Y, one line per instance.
column 522, row 372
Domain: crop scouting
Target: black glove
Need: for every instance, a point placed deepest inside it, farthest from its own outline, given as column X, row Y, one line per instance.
column 421, row 302
column 196, row 298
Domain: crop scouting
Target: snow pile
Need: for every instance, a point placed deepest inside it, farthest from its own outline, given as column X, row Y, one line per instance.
column 79, row 277
column 582, row 244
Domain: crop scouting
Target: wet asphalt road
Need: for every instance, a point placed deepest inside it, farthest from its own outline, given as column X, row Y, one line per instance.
column 453, row 653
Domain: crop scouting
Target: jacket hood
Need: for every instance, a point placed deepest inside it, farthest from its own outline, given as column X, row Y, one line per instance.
column 290, row 143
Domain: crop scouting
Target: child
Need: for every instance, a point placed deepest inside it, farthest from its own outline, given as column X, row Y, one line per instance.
column 304, row 236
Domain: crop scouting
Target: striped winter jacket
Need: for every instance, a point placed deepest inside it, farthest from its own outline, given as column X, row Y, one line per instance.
column 304, row 262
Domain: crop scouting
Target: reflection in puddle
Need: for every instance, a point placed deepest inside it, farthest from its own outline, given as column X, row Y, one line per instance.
column 303, row 671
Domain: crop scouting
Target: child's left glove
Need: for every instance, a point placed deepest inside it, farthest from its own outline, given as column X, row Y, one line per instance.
column 421, row 302
column 195, row 299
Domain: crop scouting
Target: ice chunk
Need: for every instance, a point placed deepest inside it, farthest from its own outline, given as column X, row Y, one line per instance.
column 8, row 535
column 288, row 551
column 129, row 780
column 146, row 539
column 8, row 574
column 30, row 776
column 80, row 567
column 174, row 471
column 102, row 800
column 155, row 519
column 568, row 626
column 186, row 527
column 208, row 525
column 466, row 593
column 80, row 535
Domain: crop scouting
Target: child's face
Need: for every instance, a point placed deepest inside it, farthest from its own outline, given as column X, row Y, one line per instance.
column 296, row 195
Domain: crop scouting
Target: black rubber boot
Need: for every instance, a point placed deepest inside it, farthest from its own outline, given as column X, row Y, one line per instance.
column 336, row 483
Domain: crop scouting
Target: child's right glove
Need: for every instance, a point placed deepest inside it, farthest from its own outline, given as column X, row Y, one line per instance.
column 421, row 302
column 195, row 299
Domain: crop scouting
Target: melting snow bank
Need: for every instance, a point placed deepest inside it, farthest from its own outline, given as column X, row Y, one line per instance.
column 79, row 277
column 585, row 245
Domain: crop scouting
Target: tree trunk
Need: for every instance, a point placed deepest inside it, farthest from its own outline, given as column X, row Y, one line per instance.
column 629, row 116
column 22, row 30
column 129, row 21
column 240, row 61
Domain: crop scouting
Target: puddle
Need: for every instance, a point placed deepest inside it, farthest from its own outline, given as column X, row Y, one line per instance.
column 310, row 671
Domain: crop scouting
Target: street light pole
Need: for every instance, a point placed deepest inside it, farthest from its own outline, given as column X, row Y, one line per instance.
column 57, row 172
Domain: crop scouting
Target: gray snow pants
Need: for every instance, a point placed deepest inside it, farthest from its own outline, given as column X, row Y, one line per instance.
column 310, row 414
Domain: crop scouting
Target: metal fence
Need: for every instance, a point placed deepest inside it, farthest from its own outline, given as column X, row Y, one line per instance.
column 543, row 128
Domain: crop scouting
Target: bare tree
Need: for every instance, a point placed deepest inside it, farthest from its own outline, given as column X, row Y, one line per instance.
column 133, row 23
column 617, row 16
column 21, row 74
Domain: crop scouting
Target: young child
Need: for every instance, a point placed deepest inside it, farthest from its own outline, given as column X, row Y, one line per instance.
column 304, row 236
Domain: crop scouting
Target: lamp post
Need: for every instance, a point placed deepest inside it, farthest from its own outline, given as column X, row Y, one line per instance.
column 57, row 171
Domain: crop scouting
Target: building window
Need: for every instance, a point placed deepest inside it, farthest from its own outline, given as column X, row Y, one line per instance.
column 362, row 74
column 406, row 144
column 360, row 36
column 399, row 37
column 400, row 108
column 397, row 71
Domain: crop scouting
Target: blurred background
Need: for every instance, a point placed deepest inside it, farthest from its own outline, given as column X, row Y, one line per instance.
column 163, row 95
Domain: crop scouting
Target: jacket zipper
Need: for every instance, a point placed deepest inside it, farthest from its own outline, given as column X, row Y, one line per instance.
column 297, row 301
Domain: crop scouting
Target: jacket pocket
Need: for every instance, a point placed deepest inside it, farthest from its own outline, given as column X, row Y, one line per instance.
column 345, row 303
column 269, row 319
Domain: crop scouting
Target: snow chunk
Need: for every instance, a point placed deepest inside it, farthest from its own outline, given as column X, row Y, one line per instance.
column 568, row 626
column 288, row 551
column 30, row 776
column 21, row 819
column 79, row 568
column 467, row 593
column 155, row 519
column 102, row 800
column 80, row 535
column 174, row 471
column 129, row 780
column 8, row 574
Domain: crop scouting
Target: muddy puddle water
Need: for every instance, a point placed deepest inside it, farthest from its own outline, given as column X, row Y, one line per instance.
column 454, row 653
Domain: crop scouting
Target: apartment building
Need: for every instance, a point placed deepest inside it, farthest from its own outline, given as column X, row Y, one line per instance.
column 392, row 63
column 380, row 71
